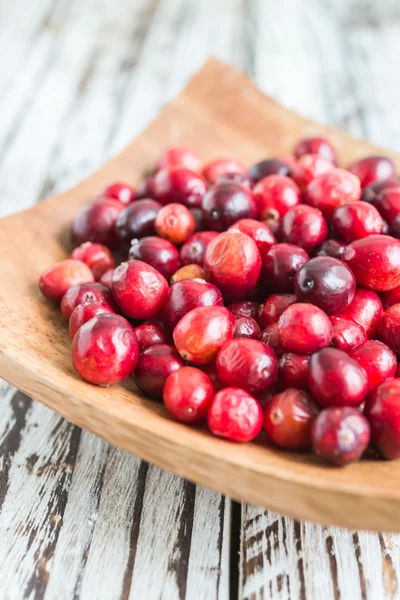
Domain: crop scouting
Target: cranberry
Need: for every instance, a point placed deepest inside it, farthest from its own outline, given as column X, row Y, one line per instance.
column 308, row 167
column 84, row 293
column 96, row 256
column 106, row 278
column 340, row 435
column 270, row 166
column 237, row 178
column 56, row 280
column 333, row 189
column 175, row 223
column 194, row 248
column 189, row 272
column 288, row 419
column 333, row 248
column 394, row 229
column 154, row 367
column 139, row 289
column 187, row 394
column 211, row 371
column 382, row 410
column 336, row 379
column 347, row 334
column 325, row 282
column 179, row 185
column 304, row 226
column 375, row 262
column 244, row 308
column 316, row 145
column 293, row 370
column 273, row 307
column 233, row 261
column 366, row 310
column 180, row 156
column 391, row 297
column 145, row 189
column 105, row 350
column 95, row 222
column 259, row 233
column 355, row 221
column 304, row 328
column 388, row 329
column 235, row 415
column 202, row 332
column 372, row 191
column 183, row 296
column 149, row 334
column 247, row 363
column 280, row 264
column 372, row 168
column 227, row 202
column 276, row 195
column 388, row 204
column 270, row 336
column 221, row 166
column 137, row 220
column 246, row 327
column 157, row 252
column 377, row 359
column 83, row 313
column 123, row 192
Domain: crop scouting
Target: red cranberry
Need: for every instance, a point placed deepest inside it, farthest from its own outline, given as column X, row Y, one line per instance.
column 180, row 156
column 316, row 145
column 375, row 262
column 221, row 166
column 105, row 350
column 211, row 371
column 183, row 296
column 276, row 195
column 139, row 289
column 304, row 328
column 383, row 414
column 259, row 233
column 377, row 359
column 325, row 282
column 235, row 415
column 347, row 334
column 340, row 435
column 96, row 256
column 145, row 189
column 149, row 334
column 137, row 220
column 280, row 264
column 366, row 310
column 388, row 204
column 388, row 329
column 237, row 178
column 193, row 250
column 233, row 261
column 270, row 166
column 189, row 272
column 56, row 280
column 372, row 191
column 335, row 379
column 372, row 168
column 270, row 336
column 123, row 192
column 246, row 327
column 84, row 293
column 304, row 226
column 106, row 278
column 179, row 185
column 333, row 189
column 227, row 202
column 244, row 308
column 293, row 370
column 83, row 313
column 355, row 221
column 249, row 364
column 273, row 307
column 154, row 366
column 175, row 223
column 187, row 394
column 288, row 419
column 202, row 332
column 333, row 248
column 95, row 222
column 391, row 297
column 308, row 167
column 157, row 252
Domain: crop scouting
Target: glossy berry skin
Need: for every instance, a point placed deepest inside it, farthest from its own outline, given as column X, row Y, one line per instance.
column 304, row 328
column 233, row 262
column 247, row 363
column 235, row 415
column 157, row 252
column 139, row 289
column 293, row 370
column 83, row 313
column 193, row 250
column 304, row 226
column 270, row 166
column 378, row 360
column 56, row 280
column 391, row 297
column 187, row 394
column 227, row 202
column 356, row 221
column 333, row 189
column 327, row 283
column 96, row 256
column 375, row 262
column 270, row 336
column 84, row 293
column 372, row 168
column 95, row 222
column 150, row 334
column 308, row 167
column 175, row 223
column 221, row 166
column 259, row 232
column 333, row 248
column 123, row 192
column 382, row 410
column 154, row 366
column 179, row 185
column 246, row 327
column 347, row 334
column 183, row 296
column 340, row 435
column 316, row 145
column 388, row 329
column 388, row 204
column 245, row 308
column 137, row 220
column 105, row 350
column 336, row 379
column 273, row 307
column 106, row 278
column 288, row 418
column 280, row 265
column 180, row 156
column 276, row 195
column 145, row 189
column 202, row 332
column 366, row 310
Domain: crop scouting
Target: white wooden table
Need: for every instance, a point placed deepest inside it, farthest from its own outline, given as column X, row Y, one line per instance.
column 80, row 519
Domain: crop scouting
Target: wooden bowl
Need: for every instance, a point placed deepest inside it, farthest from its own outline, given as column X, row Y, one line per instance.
column 220, row 113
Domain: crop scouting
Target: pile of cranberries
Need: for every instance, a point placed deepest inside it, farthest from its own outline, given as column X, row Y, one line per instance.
column 261, row 299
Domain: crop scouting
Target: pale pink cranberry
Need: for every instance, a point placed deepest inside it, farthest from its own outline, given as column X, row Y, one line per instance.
column 56, row 280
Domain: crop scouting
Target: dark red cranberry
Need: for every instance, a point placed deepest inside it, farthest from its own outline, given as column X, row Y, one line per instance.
column 316, row 145
column 83, row 313
column 175, row 223
column 95, row 222
column 96, row 256
column 137, row 220
column 336, row 379
column 270, row 336
column 391, row 297
column 246, row 327
column 270, row 166
column 157, row 252
column 383, row 414
column 388, row 204
column 192, row 271
column 235, row 415
column 106, row 278
column 375, row 262
column 372, row 168
column 179, row 185
column 308, row 167
column 187, row 394
column 183, row 296
column 372, row 191
column 340, row 435
column 325, row 282
column 273, row 307
column 149, row 334
column 194, row 248
column 259, row 232
column 245, row 308
column 304, row 226
column 145, row 189
column 222, row 166
column 55, row 281
column 154, row 366
column 333, row 189
column 198, row 217
column 280, row 264
column 276, row 195
column 347, row 334
column 293, row 370
column 377, row 359
column 105, row 350
column 304, row 328
column 388, row 330
column 288, row 419
column 355, row 221
column 180, row 156
column 333, row 248
column 123, row 192
column 237, row 178
column 225, row 203
column 84, row 293
column 366, row 310
column 395, row 228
